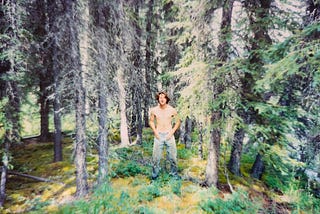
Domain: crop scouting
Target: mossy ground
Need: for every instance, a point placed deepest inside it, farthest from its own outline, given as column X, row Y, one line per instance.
column 129, row 189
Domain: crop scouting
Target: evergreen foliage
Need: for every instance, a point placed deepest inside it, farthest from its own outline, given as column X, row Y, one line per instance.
column 252, row 83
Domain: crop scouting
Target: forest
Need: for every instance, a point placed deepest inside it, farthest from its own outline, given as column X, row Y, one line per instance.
column 78, row 79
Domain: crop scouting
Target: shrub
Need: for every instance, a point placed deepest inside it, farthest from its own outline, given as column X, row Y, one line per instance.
column 128, row 168
column 238, row 203
column 150, row 192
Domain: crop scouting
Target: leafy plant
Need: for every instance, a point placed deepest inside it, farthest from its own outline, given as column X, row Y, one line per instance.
column 128, row 168
column 238, row 203
column 150, row 192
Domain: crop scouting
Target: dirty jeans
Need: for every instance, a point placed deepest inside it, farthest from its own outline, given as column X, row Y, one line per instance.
column 157, row 153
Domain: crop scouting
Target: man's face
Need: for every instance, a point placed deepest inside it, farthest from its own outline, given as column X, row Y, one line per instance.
column 162, row 99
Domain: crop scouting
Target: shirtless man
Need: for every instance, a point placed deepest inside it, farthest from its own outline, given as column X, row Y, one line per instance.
column 161, row 118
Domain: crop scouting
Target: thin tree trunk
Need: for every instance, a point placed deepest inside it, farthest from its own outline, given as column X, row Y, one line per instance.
column 212, row 174
column 100, row 20
column 103, row 133
column 201, row 131
column 54, row 69
column 80, row 101
column 187, row 133
column 148, row 65
column 218, row 88
column 258, row 167
column 44, row 109
column 234, row 163
column 44, row 77
column 137, row 77
column 257, row 11
column 9, row 70
column 57, row 117
column 57, row 108
column 124, row 134
column 4, row 170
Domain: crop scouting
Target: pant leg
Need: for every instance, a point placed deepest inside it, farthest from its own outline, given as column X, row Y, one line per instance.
column 156, row 157
column 172, row 155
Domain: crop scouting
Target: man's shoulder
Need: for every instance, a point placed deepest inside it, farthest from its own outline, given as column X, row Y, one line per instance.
column 171, row 108
column 153, row 109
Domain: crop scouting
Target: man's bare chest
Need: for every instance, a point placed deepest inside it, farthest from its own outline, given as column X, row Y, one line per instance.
column 163, row 115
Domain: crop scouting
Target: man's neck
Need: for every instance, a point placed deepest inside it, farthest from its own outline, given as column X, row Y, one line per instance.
column 163, row 106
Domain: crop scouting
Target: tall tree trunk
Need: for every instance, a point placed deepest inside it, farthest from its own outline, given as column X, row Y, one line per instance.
column 138, row 112
column 124, row 134
column 201, row 131
column 257, row 11
column 12, row 134
column 137, row 77
column 57, row 155
column 44, row 109
column 10, row 85
column 218, row 88
column 4, row 168
column 103, row 134
column 235, row 157
column 187, row 133
column 148, row 64
column 80, row 100
column 101, row 18
column 44, row 77
column 212, row 167
column 258, row 167
column 54, row 69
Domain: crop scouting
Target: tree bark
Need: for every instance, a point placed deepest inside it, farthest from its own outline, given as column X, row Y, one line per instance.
column 258, row 167
column 212, row 168
column 44, row 109
column 149, row 74
column 45, row 77
column 200, row 149
column 103, row 145
column 234, row 163
column 10, row 85
column 54, row 69
column 187, row 133
column 257, row 12
column 137, row 77
column 124, row 134
column 101, row 20
column 218, row 88
column 4, row 168
column 80, row 100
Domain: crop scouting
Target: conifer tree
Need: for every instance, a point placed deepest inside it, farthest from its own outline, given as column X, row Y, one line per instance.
column 11, row 69
column 217, row 89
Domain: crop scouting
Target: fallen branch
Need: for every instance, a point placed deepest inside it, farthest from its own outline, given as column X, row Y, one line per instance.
column 29, row 176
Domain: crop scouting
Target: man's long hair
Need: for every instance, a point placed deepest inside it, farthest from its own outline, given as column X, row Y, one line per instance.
column 165, row 95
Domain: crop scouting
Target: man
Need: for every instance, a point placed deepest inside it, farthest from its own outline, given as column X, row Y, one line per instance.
column 161, row 120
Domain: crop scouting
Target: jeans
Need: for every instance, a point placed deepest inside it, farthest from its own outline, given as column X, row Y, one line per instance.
column 157, row 153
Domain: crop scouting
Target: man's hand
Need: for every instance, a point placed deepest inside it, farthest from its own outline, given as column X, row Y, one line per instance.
column 169, row 135
column 156, row 135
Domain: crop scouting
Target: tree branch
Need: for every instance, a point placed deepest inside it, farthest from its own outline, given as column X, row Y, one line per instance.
column 28, row 176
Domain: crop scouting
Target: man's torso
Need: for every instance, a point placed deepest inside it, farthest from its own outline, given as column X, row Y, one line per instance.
column 164, row 117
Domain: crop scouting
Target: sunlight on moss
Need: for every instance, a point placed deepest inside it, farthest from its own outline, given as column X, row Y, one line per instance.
column 194, row 167
column 50, row 191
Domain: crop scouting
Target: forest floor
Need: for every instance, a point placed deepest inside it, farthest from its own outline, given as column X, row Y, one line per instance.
column 130, row 189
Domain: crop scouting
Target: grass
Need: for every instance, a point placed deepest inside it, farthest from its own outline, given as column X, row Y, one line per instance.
column 130, row 189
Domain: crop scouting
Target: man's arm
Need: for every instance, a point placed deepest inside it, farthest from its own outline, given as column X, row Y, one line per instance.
column 176, row 125
column 152, row 124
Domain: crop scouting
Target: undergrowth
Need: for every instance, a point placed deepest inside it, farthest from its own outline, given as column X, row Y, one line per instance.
column 130, row 189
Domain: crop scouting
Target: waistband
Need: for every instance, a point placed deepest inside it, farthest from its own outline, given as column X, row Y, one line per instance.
column 163, row 133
